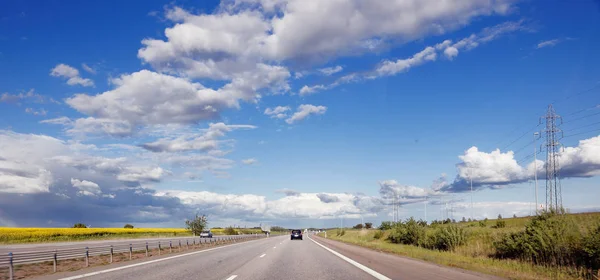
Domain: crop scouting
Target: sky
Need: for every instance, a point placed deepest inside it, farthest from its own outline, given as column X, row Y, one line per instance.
column 291, row 112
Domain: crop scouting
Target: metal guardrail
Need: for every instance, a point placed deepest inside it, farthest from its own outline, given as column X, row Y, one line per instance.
column 18, row 258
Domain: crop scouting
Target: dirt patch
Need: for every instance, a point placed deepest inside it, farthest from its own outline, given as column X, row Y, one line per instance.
column 24, row 271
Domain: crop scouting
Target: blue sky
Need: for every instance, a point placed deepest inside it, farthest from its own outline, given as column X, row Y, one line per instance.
column 253, row 112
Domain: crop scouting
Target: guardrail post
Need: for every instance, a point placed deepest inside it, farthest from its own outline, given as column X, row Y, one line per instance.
column 87, row 256
column 159, row 248
column 130, row 250
column 170, row 246
column 55, row 260
column 194, row 243
column 146, row 249
column 111, row 253
column 179, row 248
column 10, row 266
column 187, row 244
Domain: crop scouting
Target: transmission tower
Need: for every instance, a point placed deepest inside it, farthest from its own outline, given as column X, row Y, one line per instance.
column 553, row 136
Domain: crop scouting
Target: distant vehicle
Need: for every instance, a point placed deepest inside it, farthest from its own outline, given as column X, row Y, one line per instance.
column 296, row 234
column 206, row 234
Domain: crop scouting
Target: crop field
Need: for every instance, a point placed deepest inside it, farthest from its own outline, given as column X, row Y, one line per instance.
column 37, row 235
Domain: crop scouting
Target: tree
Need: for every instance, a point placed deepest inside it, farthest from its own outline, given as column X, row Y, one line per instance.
column 358, row 226
column 79, row 225
column 197, row 225
column 128, row 226
column 385, row 225
column 499, row 217
column 469, row 220
column 464, row 220
column 368, row 225
column 514, row 215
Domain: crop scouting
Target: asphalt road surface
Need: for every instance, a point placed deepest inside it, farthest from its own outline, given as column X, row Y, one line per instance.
column 19, row 248
column 275, row 257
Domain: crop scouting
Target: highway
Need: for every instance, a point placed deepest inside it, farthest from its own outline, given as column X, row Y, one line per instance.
column 19, row 248
column 276, row 257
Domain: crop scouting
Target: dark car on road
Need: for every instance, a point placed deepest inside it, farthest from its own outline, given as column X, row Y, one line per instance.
column 296, row 234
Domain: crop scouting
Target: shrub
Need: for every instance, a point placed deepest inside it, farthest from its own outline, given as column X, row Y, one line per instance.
column 358, row 226
column 79, row 225
column 410, row 233
column 378, row 234
column 368, row 225
column 128, row 226
column 447, row 239
column 230, row 231
column 341, row 232
column 482, row 223
column 385, row 226
column 548, row 239
column 500, row 224
column 591, row 248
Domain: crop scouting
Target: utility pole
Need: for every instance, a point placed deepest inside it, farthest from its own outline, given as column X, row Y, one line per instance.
column 535, row 137
column 426, row 208
column 553, row 187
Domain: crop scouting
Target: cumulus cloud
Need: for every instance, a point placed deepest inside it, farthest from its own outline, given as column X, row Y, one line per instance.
column 205, row 142
column 391, row 188
column 86, row 187
column 328, row 198
column 288, row 192
column 328, row 71
column 71, row 74
column 279, row 112
column 497, row 169
column 304, row 111
column 249, row 161
column 30, row 95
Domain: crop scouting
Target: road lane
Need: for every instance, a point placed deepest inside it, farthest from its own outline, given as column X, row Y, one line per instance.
column 214, row 264
column 19, row 248
column 299, row 259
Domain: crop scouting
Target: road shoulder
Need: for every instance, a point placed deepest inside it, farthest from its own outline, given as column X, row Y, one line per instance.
column 397, row 267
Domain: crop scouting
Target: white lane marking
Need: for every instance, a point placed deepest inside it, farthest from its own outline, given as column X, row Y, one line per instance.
column 373, row 273
column 262, row 255
column 149, row 262
column 232, row 277
column 274, row 247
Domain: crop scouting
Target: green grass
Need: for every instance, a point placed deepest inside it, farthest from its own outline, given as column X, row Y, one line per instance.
column 477, row 253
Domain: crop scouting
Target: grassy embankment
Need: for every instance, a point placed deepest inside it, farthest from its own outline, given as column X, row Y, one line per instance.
column 486, row 248
column 35, row 235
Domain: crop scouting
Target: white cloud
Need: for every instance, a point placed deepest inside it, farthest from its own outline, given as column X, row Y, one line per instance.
column 401, row 65
column 72, row 75
column 305, row 90
column 304, row 111
column 328, row 71
column 581, row 161
column 14, row 98
column 32, row 111
column 249, row 161
column 206, row 141
column 86, row 187
column 451, row 52
column 391, row 188
column 88, row 68
column 548, row 43
column 279, row 112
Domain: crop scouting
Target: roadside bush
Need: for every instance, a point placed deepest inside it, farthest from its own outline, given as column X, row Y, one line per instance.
column 368, row 225
column 500, row 224
column 447, row 238
column 591, row 248
column 79, row 225
column 482, row 223
column 230, row 231
column 385, row 226
column 378, row 234
column 128, row 226
column 548, row 239
column 341, row 232
column 410, row 233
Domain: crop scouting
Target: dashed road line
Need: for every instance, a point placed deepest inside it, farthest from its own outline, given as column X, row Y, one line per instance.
column 231, row 277
column 262, row 255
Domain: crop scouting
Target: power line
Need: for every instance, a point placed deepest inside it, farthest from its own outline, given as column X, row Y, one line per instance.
column 585, row 132
column 520, row 137
column 580, row 118
column 576, row 128
column 579, row 93
column 583, row 110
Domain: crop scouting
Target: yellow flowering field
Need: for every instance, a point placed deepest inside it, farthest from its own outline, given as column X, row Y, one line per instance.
column 27, row 235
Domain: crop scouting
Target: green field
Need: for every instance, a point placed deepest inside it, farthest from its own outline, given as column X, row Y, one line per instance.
column 478, row 252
